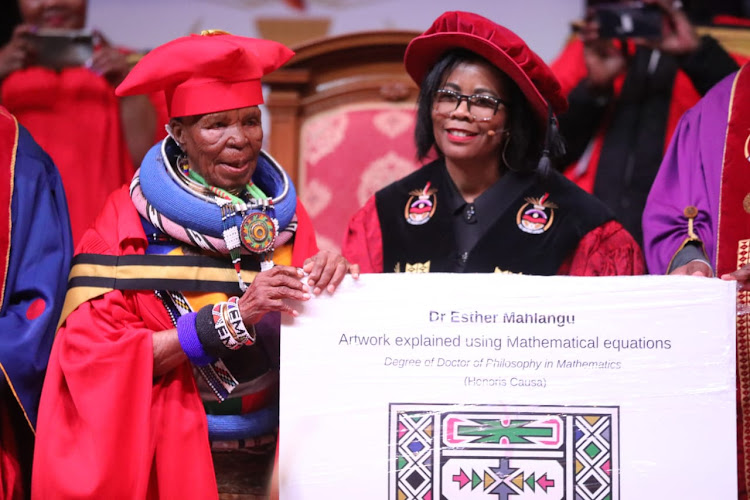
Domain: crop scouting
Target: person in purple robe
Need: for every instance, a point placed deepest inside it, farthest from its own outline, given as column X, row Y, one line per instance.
column 680, row 221
column 697, row 216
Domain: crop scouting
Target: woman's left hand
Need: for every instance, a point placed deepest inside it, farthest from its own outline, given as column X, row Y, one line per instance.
column 678, row 33
column 326, row 270
column 109, row 62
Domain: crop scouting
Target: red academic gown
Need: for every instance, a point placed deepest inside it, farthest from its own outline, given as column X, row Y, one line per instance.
column 106, row 428
column 75, row 116
column 608, row 250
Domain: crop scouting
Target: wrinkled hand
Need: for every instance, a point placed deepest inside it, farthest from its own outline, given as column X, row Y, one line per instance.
column 109, row 62
column 678, row 34
column 694, row 268
column 18, row 53
column 741, row 276
column 326, row 270
column 268, row 291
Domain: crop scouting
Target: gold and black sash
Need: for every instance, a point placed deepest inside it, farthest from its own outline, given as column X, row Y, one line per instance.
column 93, row 275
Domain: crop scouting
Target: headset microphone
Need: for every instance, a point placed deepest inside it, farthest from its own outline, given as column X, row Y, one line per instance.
column 493, row 133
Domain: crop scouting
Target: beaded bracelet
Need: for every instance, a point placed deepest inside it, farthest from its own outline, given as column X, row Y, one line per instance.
column 189, row 341
column 229, row 325
column 220, row 326
column 204, row 325
column 242, row 334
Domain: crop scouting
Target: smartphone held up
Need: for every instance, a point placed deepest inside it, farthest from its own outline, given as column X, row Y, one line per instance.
column 61, row 48
column 628, row 20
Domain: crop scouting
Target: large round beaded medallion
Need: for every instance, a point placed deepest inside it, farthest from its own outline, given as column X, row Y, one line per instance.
column 258, row 232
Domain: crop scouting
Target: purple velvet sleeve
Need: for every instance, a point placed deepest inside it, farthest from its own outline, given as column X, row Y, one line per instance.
column 690, row 175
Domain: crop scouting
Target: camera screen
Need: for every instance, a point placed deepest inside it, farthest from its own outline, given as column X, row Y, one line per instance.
column 58, row 49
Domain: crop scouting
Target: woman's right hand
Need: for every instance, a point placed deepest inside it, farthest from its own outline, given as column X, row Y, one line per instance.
column 18, row 52
column 269, row 290
column 604, row 60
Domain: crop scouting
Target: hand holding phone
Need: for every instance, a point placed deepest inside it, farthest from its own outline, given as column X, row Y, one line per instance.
column 109, row 61
column 629, row 20
column 659, row 24
column 18, row 53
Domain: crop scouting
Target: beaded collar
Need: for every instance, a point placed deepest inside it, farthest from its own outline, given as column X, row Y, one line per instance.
column 252, row 223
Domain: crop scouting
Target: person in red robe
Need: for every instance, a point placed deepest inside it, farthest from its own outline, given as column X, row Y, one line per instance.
column 94, row 137
column 490, row 202
column 626, row 97
column 176, row 292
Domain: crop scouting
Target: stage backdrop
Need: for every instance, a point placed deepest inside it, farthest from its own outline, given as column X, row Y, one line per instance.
column 429, row 386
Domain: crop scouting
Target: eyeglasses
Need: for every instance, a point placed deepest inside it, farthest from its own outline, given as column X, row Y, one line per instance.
column 481, row 107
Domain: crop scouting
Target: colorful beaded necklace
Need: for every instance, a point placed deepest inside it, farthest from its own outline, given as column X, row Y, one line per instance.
column 257, row 230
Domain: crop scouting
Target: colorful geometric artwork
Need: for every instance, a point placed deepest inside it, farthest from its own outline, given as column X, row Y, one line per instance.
column 503, row 452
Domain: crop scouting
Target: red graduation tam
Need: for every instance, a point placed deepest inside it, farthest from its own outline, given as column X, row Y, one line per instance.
column 206, row 73
column 500, row 46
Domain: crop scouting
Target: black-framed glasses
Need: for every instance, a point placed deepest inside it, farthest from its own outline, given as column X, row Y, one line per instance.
column 482, row 107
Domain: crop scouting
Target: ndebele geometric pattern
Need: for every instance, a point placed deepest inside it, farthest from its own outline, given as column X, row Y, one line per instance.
column 503, row 452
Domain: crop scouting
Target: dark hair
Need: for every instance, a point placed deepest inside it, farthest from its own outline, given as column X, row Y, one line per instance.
column 526, row 140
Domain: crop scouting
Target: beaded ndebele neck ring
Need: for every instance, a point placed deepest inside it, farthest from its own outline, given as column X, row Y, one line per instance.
column 251, row 221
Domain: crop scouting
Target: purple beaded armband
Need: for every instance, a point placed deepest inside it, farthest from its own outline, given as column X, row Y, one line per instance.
column 188, row 337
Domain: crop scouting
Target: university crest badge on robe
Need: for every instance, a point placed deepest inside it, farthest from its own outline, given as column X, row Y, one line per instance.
column 421, row 205
column 536, row 215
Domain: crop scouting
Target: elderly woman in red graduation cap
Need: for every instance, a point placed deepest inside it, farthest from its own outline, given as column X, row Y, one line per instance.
column 176, row 292
column 489, row 202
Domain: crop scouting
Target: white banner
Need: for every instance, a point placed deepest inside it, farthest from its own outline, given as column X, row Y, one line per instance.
column 429, row 386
